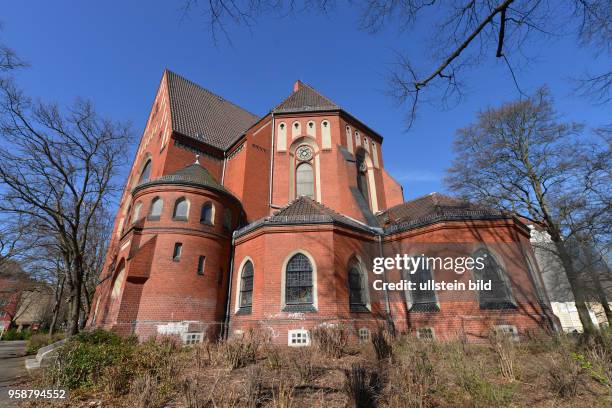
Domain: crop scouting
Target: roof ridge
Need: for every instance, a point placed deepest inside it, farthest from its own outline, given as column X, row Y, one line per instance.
column 212, row 93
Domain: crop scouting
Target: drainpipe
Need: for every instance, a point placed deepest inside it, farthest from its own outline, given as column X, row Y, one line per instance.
column 225, row 330
column 271, row 178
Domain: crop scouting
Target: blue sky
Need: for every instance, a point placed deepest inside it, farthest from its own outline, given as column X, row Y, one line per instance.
column 114, row 53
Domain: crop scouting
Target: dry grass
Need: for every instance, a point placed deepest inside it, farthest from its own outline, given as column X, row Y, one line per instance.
column 402, row 372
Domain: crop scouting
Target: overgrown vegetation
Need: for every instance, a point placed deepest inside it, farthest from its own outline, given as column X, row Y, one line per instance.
column 390, row 372
column 40, row 340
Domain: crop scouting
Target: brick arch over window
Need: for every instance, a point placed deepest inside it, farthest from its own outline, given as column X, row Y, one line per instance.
column 358, row 286
column 500, row 295
column 295, row 163
column 299, row 282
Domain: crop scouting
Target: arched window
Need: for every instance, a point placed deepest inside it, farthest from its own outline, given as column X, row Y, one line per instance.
column 358, row 299
column 362, row 179
column 208, row 213
column 118, row 282
column 422, row 298
column 227, row 219
column 304, row 181
column 156, row 208
column 298, row 281
column 181, row 209
column 136, row 213
column 145, row 174
column 246, row 286
column 500, row 296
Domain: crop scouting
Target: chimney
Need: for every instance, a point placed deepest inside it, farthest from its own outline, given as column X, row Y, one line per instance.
column 297, row 85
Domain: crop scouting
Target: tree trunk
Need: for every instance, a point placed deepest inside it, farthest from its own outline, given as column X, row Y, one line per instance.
column 59, row 291
column 577, row 289
column 75, row 304
column 603, row 298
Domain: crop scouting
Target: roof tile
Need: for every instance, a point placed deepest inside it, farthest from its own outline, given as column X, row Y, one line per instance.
column 204, row 116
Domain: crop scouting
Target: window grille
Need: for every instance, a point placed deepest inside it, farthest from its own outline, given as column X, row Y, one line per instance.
column 246, row 285
column 425, row 333
column 357, row 294
column 298, row 338
column 298, row 281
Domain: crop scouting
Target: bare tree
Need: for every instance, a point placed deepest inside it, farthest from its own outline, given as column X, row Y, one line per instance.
column 57, row 169
column 520, row 158
column 462, row 34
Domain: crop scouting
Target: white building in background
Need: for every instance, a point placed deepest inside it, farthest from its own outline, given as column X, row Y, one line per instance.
column 558, row 287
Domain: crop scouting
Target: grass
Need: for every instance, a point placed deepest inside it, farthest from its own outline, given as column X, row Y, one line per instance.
column 389, row 372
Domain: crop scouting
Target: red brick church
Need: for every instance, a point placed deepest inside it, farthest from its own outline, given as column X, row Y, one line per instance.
column 231, row 221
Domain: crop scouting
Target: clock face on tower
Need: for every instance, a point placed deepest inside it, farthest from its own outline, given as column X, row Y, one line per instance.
column 304, row 153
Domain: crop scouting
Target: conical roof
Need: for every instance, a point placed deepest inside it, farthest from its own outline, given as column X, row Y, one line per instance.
column 193, row 175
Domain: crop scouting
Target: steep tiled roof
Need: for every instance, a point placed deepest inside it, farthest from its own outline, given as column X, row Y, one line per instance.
column 432, row 208
column 304, row 210
column 305, row 99
column 204, row 116
column 193, row 175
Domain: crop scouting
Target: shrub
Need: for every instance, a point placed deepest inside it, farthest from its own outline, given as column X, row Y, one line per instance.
column 331, row 340
column 40, row 340
column 361, row 386
column 238, row 353
column 381, row 343
column 12, row 334
column 82, row 360
column 302, row 363
column 565, row 376
column 282, row 394
column 503, row 346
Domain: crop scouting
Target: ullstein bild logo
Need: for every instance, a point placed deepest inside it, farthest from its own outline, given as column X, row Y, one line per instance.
column 412, row 264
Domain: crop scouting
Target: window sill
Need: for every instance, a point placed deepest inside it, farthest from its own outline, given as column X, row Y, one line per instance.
column 179, row 218
column 244, row 311
column 425, row 308
column 359, row 309
column 503, row 305
column 299, row 308
column 153, row 218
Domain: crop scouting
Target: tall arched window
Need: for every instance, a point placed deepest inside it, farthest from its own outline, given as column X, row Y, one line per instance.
column 181, row 209
column 136, row 214
column 298, row 282
column 304, row 181
column 362, row 178
column 118, row 281
column 246, row 286
column 358, row 299
column 423, row 298
column 156, row 208
column 500, row 295
column 208, row 213
column 145, row 174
